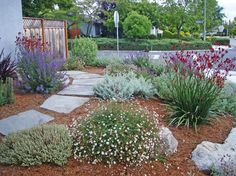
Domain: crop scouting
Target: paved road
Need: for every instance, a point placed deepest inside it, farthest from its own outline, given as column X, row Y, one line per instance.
column 233, row 42
column 157, row 54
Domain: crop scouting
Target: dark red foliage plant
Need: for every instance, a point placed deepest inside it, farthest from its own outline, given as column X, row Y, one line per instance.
column 7, row 66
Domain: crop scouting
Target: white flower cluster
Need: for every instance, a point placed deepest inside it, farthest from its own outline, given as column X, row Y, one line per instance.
column 116, row 134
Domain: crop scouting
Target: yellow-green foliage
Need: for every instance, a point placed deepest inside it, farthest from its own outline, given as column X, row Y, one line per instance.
column 182, row 34
column 168, row 34
column 187, row 34
column 42, row 144
column 196, row 35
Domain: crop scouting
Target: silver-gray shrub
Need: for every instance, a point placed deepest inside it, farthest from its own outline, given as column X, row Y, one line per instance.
column 42, row 144
column 124, row 87
column 162, row 86
column 226, row 101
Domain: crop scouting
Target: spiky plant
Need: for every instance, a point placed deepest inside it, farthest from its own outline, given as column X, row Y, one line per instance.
column 7, row 66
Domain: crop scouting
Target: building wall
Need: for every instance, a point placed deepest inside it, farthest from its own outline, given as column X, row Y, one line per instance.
column 84, row 27
column 10, row 24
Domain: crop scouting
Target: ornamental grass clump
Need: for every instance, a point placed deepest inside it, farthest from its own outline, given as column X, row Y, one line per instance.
column 116, row 133
column 41, row 144
column 6, row 91
column 7, row 66
column 197, row 82
column 37, row 66
column 7, row 72
column 123, row 87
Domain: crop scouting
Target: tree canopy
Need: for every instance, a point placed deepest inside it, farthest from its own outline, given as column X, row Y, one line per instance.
column 173, row 15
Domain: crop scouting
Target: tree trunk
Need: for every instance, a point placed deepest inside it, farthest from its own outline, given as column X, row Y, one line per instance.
column 178, row 30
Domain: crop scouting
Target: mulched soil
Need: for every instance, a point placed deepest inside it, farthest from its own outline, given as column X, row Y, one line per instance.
column 97, row 70
column 175, row 165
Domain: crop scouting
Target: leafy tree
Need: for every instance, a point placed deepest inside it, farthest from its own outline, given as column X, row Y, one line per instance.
column 90, row 11
column 213, row 11
column 182, row 15
column 177, row 13
column 233, row 31
column 123, row 7
column 38, row 8
column 71, row 16
column 151, row 9
column 136, row 26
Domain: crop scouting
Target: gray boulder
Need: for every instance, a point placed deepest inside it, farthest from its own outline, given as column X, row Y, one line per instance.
column 170, row 141
column 220, row 157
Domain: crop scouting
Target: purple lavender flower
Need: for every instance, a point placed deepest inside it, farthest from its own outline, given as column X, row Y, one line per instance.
column 39, row 69
column 139, row 58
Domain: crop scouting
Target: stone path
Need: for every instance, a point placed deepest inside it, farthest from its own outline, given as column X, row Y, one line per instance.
column 23, row 120
column 63, row 104
column 82, row 84
column 79, row 90
column 70, row 98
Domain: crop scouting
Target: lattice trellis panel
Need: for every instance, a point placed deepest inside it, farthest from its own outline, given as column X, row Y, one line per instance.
column 53, row 24
column 32, row 23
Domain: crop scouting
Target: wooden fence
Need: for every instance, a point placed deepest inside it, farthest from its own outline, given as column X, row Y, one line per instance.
column 54, row 32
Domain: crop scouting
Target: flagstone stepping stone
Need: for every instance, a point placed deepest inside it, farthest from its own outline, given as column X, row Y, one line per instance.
column 23, row 120
column 72, row 72
column 79, row 90
column 92, row 81
column 82, row 75
column 63, row 104
column 87, row 76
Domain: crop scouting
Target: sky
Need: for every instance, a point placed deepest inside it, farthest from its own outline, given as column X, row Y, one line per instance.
column 229, row 8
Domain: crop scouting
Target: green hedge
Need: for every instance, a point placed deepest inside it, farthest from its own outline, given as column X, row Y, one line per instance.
column 220, row 41
column 147, row 44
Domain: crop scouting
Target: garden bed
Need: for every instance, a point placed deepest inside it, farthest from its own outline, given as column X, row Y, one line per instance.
column 179, row 163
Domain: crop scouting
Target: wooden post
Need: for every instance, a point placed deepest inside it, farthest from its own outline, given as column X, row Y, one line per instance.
column 66, row 39
column 43, row 34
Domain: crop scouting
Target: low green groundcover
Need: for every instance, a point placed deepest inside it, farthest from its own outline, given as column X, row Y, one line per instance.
column 42, row 144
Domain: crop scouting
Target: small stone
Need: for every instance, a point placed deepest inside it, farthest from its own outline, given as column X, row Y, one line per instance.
column 169, row 140
column 65, row 81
